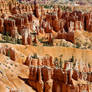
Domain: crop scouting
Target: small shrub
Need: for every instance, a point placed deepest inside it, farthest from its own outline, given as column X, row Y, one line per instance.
column 7, row 38
column 56, row 62
column 89, row 65
column 35, row 56
column 34, row 44
column 8, row 54
column 19, row 41
column 48, row 6
column 11, row 64
column 78, row 45
column 60, row 64
column 72, row 59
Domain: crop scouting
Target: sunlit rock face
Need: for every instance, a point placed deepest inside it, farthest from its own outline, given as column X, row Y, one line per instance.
column 48, row 61
column 12, row 54
column 51, row 79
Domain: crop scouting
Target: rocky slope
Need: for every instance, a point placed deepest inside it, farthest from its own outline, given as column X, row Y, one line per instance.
column 12, row 76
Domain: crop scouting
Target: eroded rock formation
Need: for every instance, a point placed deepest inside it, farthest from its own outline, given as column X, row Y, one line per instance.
column 15, row 18
column 58, row 80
